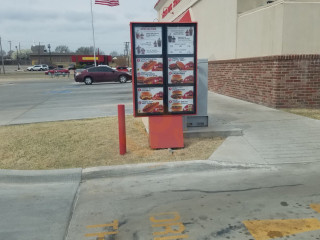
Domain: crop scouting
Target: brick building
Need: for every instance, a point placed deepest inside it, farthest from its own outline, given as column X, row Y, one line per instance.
column 260, row 51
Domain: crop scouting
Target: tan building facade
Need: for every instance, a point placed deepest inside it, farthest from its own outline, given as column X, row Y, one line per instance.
column 261, row 51
column 230, row 29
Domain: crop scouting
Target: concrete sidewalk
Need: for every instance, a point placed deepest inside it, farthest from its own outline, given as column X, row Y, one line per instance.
column 269, row 136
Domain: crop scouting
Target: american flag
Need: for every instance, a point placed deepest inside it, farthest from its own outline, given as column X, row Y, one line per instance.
column 110, row 3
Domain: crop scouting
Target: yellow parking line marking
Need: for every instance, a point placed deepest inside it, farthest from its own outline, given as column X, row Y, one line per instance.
column 269, row 229
column 315, row 207
column 169, row 223
column 114, row 224
column 175, row 215
column 100, row 235
column 171, row 238
column 169, row 228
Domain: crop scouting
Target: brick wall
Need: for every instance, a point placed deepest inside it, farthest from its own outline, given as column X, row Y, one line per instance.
column 291, row 81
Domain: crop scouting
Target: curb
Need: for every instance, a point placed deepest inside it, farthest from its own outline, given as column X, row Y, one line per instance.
column 205, row 133
column 40, row 176
column 79, row 174
column 162, row 167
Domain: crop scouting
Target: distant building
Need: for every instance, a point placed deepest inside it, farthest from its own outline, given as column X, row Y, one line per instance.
column 67, row 58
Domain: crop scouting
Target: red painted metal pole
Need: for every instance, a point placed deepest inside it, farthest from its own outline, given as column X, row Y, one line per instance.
column 122, row 129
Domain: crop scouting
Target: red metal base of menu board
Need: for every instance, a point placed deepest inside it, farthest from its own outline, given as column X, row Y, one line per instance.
column 166, row 132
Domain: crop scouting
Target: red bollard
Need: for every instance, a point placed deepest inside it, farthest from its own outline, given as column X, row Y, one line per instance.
column 122, row 129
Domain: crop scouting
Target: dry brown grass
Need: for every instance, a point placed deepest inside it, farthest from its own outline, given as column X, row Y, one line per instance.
column 311, row 113
column 87, row 143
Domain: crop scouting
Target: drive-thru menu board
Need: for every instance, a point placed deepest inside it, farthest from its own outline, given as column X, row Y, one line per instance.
column 164, row 68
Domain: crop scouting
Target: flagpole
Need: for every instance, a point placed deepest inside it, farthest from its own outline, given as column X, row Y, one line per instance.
column 94, row 43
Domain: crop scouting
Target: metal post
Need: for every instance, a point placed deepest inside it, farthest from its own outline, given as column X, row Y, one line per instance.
column 94, row 43
column 4, row 72
column 18, row 58
column 122, row 129
column 39, row 54
column 49, row 47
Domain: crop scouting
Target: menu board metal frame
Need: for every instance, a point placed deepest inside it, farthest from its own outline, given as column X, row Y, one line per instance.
column 150, row 75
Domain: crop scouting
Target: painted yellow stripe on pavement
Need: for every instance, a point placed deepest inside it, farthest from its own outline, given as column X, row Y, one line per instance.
column 100, row 234
column 315, row 207
column 269, row 229
column 114, row 224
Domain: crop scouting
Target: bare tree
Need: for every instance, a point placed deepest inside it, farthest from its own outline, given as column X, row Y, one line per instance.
column 62, row 49
column 88, row 51
column 114, row 53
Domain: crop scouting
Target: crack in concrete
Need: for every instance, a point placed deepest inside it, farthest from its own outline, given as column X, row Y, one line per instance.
column 236, row 190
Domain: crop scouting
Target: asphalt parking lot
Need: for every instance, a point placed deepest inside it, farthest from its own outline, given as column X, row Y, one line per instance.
column 60, row 99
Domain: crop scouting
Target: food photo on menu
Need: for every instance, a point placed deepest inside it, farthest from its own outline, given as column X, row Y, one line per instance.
column 149, row 71
column 180, row 99
column 147, row 80
column 148, row 40
column 180, row 106
column 181, row 78
column 150, row 100
column 180, row 70
column 181, row 64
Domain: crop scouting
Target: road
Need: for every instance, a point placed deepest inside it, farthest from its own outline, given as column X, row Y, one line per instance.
column 60, row 99
column 201, row 204
column 163, row 202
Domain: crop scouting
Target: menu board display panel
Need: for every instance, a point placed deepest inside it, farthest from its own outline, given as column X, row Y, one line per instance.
column 148, row 40
column 180, row 40
column 149, row 71
column 164, row 65
column 181, row 70
column 181, row 99
column 150, row 100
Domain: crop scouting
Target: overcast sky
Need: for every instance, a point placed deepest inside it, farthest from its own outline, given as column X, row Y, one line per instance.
column 68, row 22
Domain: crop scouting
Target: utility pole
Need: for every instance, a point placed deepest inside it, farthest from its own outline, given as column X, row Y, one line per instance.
column 94, row 41
column 4, row 72
column 39, row 53
column 18, row 58
column 10, row 44
column 19, row 50
column 10, row 48
column 49, row 47
column 126, row 51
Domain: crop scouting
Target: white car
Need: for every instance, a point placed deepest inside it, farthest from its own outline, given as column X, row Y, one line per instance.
column 41, row 67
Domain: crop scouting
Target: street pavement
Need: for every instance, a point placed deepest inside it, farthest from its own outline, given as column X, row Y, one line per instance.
column 261, row 185
column 55, row 99
column 199, row 204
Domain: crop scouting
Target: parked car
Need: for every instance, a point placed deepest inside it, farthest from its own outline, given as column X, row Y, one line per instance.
column 41, row 67
column 72, row 67
column 45, row 67
column 57, row 71
column 123, row 69
column 78, row 71
column 102, row 74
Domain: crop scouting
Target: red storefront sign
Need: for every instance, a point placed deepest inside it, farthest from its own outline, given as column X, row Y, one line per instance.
column 168, row 9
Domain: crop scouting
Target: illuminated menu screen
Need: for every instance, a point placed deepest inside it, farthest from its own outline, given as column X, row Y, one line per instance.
column 164, row 68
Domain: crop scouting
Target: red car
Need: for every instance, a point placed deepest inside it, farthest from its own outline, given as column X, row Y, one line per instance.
column 101, row 74
column 57, row 71
column 123, row 69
